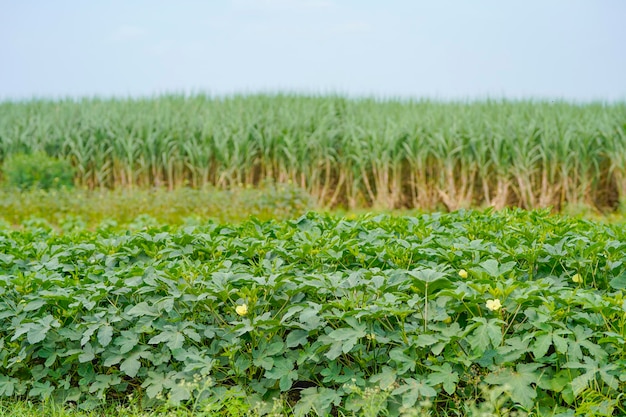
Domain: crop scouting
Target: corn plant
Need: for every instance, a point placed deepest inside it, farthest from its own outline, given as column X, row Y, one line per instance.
column 350, row 152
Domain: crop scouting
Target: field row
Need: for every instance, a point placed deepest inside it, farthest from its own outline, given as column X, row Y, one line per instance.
column 461, row 313
column 354, row 153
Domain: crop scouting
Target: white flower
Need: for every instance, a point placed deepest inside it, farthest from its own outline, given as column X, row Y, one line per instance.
column 242, row 309
column 494, row 305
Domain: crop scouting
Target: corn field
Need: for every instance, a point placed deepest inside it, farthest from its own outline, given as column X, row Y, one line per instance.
column 348, row 152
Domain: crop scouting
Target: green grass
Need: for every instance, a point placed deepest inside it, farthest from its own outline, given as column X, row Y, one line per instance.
column 343, row 152
column 80, row 208
column 10, row 408
column 29, row 409
column 68, row 209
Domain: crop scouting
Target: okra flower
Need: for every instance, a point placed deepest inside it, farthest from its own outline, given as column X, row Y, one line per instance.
column 494, row 305
column 463, row 273
column 577, row 278
column 242, row 309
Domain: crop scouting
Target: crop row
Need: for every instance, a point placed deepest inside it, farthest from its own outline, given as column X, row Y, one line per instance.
column 343, row 152
column 329, row 314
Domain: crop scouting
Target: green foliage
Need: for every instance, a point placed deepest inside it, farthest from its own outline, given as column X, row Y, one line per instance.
column 354, row 317
column 37, row 171
column 76, row 209
column 344, row 152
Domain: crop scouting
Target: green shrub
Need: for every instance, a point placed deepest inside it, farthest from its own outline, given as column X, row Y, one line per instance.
column 38, row 170
column 468, row 313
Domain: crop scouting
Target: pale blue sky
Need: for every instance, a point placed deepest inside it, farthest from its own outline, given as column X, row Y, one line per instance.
column 447, row 49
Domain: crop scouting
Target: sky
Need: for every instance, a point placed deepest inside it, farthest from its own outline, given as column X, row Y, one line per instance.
column 441, row 49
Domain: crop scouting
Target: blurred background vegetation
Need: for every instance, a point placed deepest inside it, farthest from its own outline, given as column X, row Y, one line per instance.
column 330, row 151
column 66, row 208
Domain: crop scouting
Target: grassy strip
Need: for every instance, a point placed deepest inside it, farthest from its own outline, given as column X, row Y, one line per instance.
column 79, row 208
column 69, row 209
column 30, row 409
column 48, row 409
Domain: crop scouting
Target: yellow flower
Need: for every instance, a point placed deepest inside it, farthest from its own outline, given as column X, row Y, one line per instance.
column 242, row 310
column 494, row 305
column 463, row 273
column 577, row 278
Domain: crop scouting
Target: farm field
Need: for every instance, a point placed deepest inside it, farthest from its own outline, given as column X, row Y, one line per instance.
column 277, row 255
column 467, row 313
column 351, row 153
